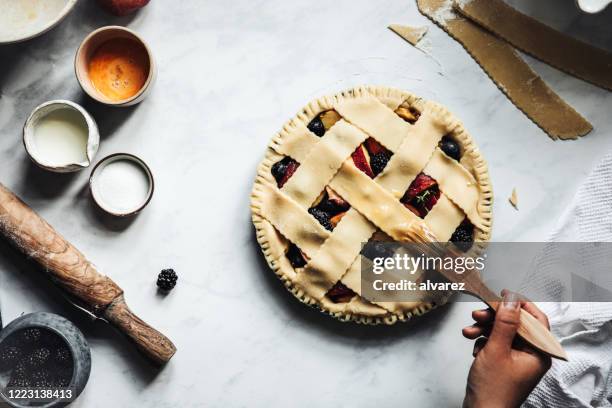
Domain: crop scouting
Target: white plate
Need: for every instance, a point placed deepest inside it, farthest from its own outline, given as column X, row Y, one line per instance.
column 23, row 19
column 593, row 6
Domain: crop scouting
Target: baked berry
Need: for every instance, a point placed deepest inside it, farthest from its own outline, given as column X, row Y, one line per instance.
column 340, row 293
column 450, row 147
column 463, row 237
column 166, row 280
column 38, row 357
column 9, row 355
column 332, row 203
column 31, row 336
column 283, row 170
column 379, row 161
column 295, row 256
column 317, row 127
column 322, row 217
column 379, row 249
column 280, row 168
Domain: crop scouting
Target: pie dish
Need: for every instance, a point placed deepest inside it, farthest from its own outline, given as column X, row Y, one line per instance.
column 356, row 167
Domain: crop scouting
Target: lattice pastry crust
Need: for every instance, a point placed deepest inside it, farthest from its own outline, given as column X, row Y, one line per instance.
column 281, row 215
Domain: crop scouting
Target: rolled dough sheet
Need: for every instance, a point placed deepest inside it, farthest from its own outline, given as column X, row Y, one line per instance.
column 411, row 34
column 510, row 73
column 575, row 57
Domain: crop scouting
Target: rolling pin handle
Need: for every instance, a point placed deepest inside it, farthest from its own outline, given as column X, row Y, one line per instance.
column 154, row 345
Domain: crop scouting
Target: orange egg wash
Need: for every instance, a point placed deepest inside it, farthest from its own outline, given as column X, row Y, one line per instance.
column 119, row 68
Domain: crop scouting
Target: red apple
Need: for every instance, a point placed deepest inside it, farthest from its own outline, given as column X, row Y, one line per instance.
column 361, row 158
column 374, row 147
column 420, row 184
column 291, row 168
column 122, row 7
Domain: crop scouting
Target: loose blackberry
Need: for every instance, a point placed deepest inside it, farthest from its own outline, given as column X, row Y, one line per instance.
column 379, row 161
column 317, row 127
column 31, row 336
column 166, row 280
column 9, row 355
column 38, row 357
column 463, row 237
column 296, row 259
column 322, row 217
column 450, row 147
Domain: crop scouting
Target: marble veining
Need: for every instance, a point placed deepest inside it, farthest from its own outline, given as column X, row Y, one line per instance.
column 230, row 74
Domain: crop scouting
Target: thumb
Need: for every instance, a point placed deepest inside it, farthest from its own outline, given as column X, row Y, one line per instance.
column 506, row 324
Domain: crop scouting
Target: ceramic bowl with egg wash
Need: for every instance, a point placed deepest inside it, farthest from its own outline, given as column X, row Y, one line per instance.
column 115, row 66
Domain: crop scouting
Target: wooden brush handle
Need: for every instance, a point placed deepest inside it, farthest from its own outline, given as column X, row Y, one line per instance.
column 69, row 268
column 530, row 329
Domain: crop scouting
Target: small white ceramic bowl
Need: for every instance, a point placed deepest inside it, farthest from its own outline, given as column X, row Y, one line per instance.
column 86, row 50
column 96, row 188
column 21, row 20
column 42, row 110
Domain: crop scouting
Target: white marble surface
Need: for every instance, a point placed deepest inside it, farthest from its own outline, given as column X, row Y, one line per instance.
column 230, row 74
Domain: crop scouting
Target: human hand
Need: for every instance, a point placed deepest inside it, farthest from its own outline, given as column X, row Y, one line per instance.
column 505, row 368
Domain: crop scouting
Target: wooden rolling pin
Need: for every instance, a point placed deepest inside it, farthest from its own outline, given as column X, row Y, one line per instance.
column 530, row 329
column 33, row 236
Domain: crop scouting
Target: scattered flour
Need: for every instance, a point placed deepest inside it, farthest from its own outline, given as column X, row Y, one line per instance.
column 446, row 12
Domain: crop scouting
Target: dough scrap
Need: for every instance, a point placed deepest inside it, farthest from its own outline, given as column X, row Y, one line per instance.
column 514, row 199
column 561, row 51
column 411, row 34
column 511, row 74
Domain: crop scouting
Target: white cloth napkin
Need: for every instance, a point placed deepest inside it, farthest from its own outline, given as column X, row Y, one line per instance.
column 585, row 329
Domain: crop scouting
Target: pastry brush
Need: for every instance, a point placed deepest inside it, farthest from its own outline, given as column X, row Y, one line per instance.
column 530, row 329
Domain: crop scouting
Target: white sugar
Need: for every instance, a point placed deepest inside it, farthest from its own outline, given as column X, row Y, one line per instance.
column 122, row 186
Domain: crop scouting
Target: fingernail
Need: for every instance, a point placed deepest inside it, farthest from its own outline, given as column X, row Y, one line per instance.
column 511, row 300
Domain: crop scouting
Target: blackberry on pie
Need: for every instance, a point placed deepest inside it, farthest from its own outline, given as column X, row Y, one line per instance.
column 352, row 168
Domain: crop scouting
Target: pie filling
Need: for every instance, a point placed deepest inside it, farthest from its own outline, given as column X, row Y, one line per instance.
column 371, row 158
